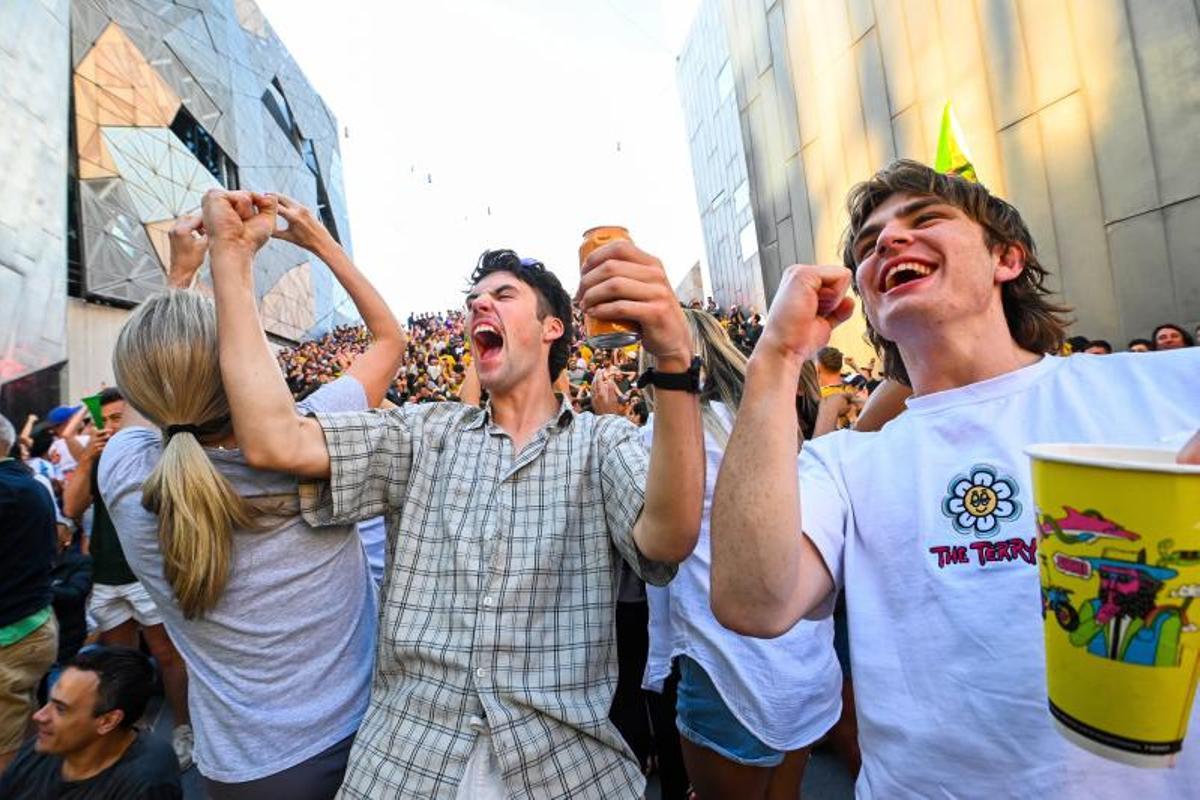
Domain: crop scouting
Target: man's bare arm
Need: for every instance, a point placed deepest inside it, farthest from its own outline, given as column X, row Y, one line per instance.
column 675, row 480
column 470, row 393
column 621, row 282
column 269, row 431
column 77, row 494
column 70, row 433
column 885, row 404
column 766, row 575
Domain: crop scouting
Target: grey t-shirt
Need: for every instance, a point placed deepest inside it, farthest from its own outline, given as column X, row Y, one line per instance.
column 281, row 668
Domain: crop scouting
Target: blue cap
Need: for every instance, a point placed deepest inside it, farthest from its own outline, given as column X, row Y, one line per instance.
column 62, row 414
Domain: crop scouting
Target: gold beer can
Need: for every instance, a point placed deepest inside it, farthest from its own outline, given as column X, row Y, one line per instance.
column 605, row 334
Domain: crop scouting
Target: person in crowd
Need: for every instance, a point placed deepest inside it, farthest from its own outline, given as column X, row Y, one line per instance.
column 507, row 523
column 1170, row 336
column 956, row 302
column 67, row 423
column 275, row 620
column 637, row 412
column 808, row 400
column 829, row 364
column 28, row 630
column 753, row 330
column 119, row 602
column 42, row 461
column 748, row 710
column 70, row 584
column 1076, row 344
column 1098, row 347
column 1140, row 346
column 87, row 747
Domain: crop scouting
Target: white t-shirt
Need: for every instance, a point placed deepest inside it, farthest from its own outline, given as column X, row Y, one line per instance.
column 280, row 669
column 786, row 691
column 947, row 655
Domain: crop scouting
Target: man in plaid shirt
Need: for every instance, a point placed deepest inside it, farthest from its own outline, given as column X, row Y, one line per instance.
column 496, row 662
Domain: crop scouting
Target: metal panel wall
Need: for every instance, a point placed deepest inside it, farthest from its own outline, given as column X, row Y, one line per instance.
column 1083, row 113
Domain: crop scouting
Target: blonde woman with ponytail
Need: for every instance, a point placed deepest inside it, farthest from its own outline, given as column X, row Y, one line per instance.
column 747, row 710
column 275, row 620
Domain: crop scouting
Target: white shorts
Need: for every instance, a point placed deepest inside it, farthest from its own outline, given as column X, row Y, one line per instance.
column 112, row 605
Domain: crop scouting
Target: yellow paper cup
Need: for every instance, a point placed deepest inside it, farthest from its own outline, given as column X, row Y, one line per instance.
column 1119, row 559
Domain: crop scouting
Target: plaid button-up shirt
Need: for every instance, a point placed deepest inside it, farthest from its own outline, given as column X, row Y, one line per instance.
column 498, row 597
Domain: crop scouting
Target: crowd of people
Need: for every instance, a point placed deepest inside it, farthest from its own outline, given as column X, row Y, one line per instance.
column 474, row 557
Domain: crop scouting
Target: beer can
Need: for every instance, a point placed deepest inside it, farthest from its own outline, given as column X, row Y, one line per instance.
column 605, row 334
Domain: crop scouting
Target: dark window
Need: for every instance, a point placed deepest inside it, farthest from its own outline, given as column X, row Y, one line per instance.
column 325, row 211
column 36, row 393
column 277, row 105
column 310, row 156
column 74, row 243
column 205, row 148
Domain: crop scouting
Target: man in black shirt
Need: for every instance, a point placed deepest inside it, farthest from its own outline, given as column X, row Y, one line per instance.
column 28, row 632
column 86, row 746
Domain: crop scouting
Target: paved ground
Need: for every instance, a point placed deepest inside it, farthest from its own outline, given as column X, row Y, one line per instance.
column 825, row 778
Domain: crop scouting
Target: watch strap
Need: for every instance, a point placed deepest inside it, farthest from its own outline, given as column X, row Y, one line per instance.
column 688, row 381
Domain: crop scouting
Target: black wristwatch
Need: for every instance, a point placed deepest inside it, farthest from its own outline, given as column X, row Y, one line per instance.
column 674, row 381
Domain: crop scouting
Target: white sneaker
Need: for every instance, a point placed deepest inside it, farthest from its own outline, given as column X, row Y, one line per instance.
column 182, row 740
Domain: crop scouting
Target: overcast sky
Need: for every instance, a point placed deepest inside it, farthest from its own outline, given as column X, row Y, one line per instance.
column 500, row 123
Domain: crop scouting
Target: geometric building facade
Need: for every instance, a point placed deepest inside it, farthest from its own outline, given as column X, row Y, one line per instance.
column 166, row 100
column 705, row 78
column 1084, row 114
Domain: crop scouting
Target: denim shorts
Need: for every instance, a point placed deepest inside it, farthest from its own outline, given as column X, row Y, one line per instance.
column 703, row 719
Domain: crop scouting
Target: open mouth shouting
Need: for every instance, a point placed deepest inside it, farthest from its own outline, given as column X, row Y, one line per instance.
column 487, row 341
column 901, row 272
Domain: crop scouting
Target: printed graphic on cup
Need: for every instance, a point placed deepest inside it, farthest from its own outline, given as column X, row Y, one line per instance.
column 1119, row 559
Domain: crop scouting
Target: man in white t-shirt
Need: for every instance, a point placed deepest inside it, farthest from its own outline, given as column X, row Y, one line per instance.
column 945, row 631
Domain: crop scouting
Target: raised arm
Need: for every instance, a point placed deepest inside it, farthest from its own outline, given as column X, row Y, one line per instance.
column 470, row 393
column 376, row 368
column 620, row 282
column 188, row 244
column 77, row 494
column 269, row 431
column 70, row 433
column 26, row 434
column 766, row 575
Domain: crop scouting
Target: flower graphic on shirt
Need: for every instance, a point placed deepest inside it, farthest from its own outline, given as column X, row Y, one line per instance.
column 978, row 501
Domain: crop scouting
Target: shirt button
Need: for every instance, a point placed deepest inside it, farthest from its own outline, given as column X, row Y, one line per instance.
column 489, row 601
column 480, row 673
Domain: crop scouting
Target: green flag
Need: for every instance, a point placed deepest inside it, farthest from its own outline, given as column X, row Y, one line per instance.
column 952, row 155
